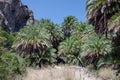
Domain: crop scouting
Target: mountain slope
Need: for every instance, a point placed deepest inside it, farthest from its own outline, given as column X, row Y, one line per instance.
column 14, row 15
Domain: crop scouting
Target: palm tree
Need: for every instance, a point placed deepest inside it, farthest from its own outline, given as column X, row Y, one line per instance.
column 114, row 24
column 79, row 28
column 87, row 33
column 114, row 27
column 105, row 16
column 69, row 23
column 100, row 11
column 56, row 35
column 48, row 56
column 32, row 40
column 69, row 50
column 95, row 48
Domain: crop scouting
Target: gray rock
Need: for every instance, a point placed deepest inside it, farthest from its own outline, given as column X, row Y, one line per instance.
column 14, row 15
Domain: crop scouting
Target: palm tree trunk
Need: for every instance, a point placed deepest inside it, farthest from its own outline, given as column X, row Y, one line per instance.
column 95, row 60
column 105, row 25
column 30, row 59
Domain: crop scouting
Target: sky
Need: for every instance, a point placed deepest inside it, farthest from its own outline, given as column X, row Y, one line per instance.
column 57, row 10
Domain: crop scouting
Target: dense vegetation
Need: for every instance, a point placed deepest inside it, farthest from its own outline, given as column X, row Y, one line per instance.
column 94, row 45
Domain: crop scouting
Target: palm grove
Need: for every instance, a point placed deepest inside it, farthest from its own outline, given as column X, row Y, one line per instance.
column 95, row 42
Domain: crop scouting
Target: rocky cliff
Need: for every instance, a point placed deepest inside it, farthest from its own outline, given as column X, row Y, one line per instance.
column 14, row 15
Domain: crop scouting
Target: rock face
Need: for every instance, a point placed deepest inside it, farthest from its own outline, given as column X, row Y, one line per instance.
column 14, row 15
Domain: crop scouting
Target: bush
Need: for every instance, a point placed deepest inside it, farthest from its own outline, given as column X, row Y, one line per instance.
column 11, row 65
column 9, row 38
column 107, row 73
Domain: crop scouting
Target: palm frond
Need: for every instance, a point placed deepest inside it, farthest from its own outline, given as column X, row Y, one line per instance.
column 114, row 21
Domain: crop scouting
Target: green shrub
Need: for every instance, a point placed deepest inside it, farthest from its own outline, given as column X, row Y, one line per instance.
column 8, row 39
column 11, row 65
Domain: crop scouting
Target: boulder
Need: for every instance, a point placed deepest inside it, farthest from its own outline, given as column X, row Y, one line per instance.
column 14, row 15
